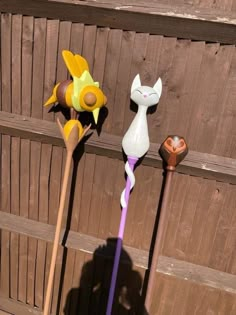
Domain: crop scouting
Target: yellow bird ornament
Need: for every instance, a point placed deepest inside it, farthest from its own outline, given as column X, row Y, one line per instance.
column 81, row 94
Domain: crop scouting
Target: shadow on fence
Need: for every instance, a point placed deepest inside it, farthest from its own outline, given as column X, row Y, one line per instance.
column 90, row 298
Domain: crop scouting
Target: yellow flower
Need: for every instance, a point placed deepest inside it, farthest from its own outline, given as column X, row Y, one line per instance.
column 70, row 125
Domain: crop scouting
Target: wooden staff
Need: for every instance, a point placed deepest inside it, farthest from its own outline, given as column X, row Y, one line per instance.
column 173, row 150
column 72, row 134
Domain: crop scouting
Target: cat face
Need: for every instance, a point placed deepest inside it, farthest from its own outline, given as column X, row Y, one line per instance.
column 145, row 95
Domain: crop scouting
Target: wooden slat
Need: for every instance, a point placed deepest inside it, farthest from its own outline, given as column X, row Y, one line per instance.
column 110, row 71
column 15, row 209
column 58, row 159
column 176, row 78
column 26, row 85
column 89, row 40
column 15, row 149
column 38, row 53
column 166, row 265
column 86, row 194
column 177, row 21
column 46, row 151
column 139, row 52
column 6, row 204
column 196, row 163
column 108, row 195
column 165, row 65
column 4, row 313
column 54, row 195
column 121, row 88
column 6, row 23
column 27, row 63
column 14, row 307
column 38, row 67
column 50, row 63
column 24, row 212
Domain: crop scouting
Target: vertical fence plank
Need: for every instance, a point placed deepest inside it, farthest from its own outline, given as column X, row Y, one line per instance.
column 86, row 192
column 35, row 148
column 24, row 212
column 51, row 44
column 62, row 74
column 27, row 60
column 52, row 34
column 54, row 194
column 89, row 41
column 122, row 90
column 26, row 84
column 35, row 152
column 187, row 215
column 165, row 65
column 110, row 71
column 6, row 22
column 15, row 209
column 15, row 150
column 5, row 206
column 152, row 208
column 38, row 67
column 139, row 55
column 46, row 151
column 108, row 194
column 76, row 38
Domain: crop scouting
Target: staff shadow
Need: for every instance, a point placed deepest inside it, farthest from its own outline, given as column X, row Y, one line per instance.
column 91, row 297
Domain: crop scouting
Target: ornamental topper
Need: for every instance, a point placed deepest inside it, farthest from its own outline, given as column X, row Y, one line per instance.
column 81, row 94
column 136, row 140
column 173, row 150
column 135, row 144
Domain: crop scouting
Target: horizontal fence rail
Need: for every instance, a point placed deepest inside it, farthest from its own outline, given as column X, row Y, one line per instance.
column 196, row 163
column 176, row 21
column 85, row 243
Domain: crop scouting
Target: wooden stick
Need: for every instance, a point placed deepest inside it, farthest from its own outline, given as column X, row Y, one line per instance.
column 71, row 141
column 57, row 233
column 173, row 150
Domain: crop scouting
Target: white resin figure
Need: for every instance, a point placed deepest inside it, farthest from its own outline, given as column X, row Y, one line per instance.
column 136, row 140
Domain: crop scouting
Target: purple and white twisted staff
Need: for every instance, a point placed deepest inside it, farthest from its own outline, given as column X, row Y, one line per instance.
column 135, row 144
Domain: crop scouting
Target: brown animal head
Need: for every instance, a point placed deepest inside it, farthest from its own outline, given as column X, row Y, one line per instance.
column 173, row 150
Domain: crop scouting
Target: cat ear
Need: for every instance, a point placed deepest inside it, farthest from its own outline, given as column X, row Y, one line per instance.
column 136, row 83
column 158, row 87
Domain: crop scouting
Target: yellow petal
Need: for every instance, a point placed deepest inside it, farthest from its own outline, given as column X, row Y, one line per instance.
column 96, row 114
column 69, row 125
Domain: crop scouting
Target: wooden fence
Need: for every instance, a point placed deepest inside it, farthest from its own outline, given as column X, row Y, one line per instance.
column 194, row 54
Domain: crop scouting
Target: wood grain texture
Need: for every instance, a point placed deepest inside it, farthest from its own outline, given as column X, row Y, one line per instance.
column 180, row 21
column 196, row 163
column 6, row 204
column 15, row 149
column 27, row 64
column 15, row 209
column 166, row 265
column 198, row 99
column 24, row 212
column 6, row 22
column 14, row 307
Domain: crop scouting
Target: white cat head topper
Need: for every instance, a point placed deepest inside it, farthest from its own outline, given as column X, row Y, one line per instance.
column 145, row 95
column 136, row 140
